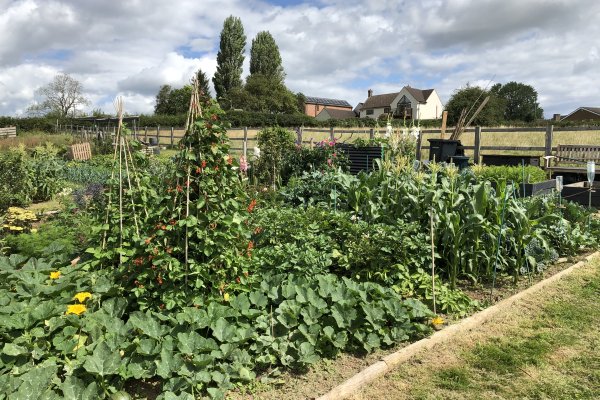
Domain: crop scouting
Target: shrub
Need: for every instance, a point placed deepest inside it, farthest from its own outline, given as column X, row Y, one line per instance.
column 276, row 144
column 35, row 243
column 515, row 174
column 45, row 171
column 15, row 185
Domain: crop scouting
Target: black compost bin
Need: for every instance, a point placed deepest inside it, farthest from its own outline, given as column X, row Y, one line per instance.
column 461, row 162
column 361, row 158
column 441, row 150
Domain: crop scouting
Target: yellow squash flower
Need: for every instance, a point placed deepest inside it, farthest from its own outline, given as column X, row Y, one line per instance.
column 82, row 296
column 54, row 274
column 437, row 321
column 226, row 296
column 76, row 309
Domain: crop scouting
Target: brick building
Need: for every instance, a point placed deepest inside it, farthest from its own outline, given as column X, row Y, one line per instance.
column 314, row 105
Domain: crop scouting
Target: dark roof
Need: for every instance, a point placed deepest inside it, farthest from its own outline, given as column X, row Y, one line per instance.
column 420, row 95
column 338, row 114
column 327, row 102
column 385, row 100
column 379, row 100
column 593, row 110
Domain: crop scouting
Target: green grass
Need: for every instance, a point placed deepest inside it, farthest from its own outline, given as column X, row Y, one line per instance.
column 545, row 348
column 454, row 378
column 504, row 356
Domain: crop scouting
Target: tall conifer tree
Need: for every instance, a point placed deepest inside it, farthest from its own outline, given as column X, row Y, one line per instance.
column 203, row 84
column 230, row 58
column 265, row 58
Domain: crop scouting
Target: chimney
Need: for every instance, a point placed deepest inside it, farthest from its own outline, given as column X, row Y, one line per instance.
column 370, row 93
column 556, row 117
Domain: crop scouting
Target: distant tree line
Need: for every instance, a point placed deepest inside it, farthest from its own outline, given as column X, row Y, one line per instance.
column 511, row 103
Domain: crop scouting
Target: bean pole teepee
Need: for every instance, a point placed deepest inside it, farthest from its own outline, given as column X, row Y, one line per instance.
column 123, row 167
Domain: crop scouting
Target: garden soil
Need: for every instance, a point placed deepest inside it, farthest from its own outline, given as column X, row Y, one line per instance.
column 327, row 374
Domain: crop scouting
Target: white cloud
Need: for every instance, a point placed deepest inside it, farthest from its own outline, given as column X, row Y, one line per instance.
column 330, row 48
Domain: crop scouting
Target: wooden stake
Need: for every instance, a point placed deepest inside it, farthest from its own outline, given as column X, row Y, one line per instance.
column 444, row 120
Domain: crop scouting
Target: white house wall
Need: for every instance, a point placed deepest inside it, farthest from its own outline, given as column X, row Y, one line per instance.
column 430, row 110
column 376, row 113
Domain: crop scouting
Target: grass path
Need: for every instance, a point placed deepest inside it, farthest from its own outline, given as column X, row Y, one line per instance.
column 545, row 347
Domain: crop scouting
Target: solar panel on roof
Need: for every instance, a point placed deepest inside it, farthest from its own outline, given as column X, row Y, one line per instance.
column 327, row 102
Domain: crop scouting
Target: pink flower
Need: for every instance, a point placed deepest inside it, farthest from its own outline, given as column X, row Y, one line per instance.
column 329, row 162
column 243, row 164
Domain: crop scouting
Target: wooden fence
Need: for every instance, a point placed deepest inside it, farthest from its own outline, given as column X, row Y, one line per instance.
column 540, row 141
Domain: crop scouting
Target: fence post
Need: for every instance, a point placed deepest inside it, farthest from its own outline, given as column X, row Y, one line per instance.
column 331, row 134
column 146, row 134
column 299, row 136
column 172, row 137
column 419, row 140
column 157, row 135
column 371, row 134
column 477, row 149
column 548, row 144
column 245, row 143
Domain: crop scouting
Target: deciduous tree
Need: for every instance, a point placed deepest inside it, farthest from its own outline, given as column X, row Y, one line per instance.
column 521, row 101
column 469, row 98
column 171, row 101
column 262, row 94
column 62, row 96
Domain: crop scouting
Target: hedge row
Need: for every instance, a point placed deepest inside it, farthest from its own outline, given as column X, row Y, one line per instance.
column 42, row 124
column 239, row 119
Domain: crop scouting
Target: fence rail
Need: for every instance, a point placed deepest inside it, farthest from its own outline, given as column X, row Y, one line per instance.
column 310, row 136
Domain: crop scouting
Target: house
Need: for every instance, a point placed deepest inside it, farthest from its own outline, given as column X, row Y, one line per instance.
column 334, row 113
column 583, row 114
column 314, row 105
column 410, row 103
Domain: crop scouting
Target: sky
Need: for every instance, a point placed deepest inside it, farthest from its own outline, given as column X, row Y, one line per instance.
column 330, row 48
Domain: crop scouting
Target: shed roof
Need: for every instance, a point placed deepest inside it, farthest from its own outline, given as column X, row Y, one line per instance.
column 338, row 114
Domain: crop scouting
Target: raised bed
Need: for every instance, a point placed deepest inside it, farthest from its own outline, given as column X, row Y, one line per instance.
column 579, row 193
column 533, row 189
column 509, row 159
column 361, row 158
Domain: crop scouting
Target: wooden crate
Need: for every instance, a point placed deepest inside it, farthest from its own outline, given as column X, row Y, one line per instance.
column 81, row 151
column 9, row 131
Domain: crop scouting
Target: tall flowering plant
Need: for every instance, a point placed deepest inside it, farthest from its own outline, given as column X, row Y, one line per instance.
column 197, row 238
